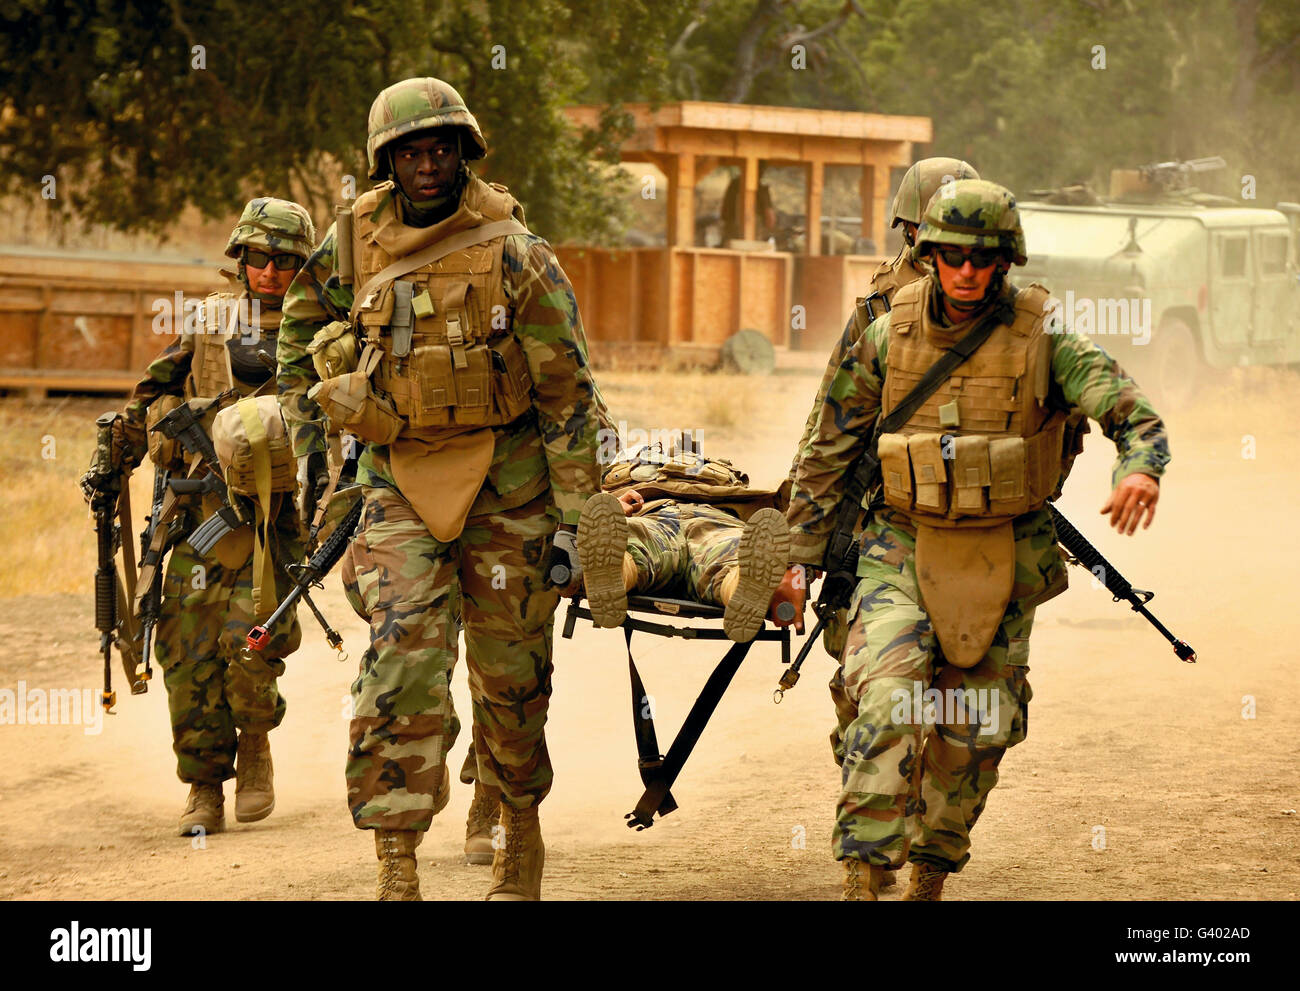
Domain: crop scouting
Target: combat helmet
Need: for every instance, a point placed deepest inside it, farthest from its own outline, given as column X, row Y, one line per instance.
column 921, row 182
column 972, row 213
column 275, row 226
column 419, row 104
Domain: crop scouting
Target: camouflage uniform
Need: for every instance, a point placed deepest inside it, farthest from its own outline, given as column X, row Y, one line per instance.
column 914, row 192
column 214, row 686
column 406, row 582
column 680, row 546
column 895, row 790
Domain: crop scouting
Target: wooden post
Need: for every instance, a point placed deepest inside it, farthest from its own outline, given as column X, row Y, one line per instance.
column 681, row 202
column 866, row 187
column 814, row 173
column 879, row 205
column 748, row 205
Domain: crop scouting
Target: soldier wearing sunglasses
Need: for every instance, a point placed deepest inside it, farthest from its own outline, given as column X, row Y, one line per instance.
column 958, row 547
column 223, row 701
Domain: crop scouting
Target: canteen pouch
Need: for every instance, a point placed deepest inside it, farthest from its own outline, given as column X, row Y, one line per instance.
column 352, row 404
column 334, row 350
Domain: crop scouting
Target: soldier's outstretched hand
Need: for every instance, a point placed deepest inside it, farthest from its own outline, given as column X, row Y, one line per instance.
column 632, row 502
column 794, row 590
column 1134, row 498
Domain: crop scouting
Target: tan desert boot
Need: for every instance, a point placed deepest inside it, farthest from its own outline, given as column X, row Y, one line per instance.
column 762, row 559
column 484, row 814
column 862, row 882
column 399, row 881
column 517, row 864
column 254, row 792
column 926, row 883
column 205, row 811
column 602, row 550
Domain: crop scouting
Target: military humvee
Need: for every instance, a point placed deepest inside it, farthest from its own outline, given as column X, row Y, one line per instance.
column 1170, row 281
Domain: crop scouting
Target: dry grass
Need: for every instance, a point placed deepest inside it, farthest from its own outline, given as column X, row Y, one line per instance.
column 49, row 544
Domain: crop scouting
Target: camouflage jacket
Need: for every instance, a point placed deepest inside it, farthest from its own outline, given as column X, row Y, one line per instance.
column 1084, row 376
column 557, row 438
column 890, row 277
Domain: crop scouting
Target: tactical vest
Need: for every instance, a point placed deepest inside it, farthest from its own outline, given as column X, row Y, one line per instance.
column 440, row 339
column 211, row 372
column 985, row 447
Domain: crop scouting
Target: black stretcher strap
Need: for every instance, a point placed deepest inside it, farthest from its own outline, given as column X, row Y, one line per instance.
column 656, row 797
column 649, row 760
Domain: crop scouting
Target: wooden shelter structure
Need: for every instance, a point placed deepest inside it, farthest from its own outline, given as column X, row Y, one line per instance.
column 689, row 297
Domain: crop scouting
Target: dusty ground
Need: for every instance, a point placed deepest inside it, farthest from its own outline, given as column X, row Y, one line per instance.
column 1196, row 800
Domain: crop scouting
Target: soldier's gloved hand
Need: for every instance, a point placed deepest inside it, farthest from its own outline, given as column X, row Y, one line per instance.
column 794, row 590
column 314, row 478
column 563, row 569
column 132, row 444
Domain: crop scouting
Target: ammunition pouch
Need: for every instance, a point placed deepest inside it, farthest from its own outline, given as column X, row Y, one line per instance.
column 969, row 479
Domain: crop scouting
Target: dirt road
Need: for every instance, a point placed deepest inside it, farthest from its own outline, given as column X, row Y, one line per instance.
column 1141, row 777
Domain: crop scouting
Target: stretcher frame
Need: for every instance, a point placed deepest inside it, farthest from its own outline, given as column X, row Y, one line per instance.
column 658, row 770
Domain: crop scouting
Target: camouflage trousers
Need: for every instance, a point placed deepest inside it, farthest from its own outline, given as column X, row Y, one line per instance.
column 685, row 548
column 214, row 685
column 916, row 781
column 411, row 588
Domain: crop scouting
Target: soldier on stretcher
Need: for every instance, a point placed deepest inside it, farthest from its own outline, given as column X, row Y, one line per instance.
column 681, row 523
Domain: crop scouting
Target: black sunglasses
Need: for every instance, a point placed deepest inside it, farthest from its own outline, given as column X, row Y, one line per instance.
column 284, row 262
column 979, row 257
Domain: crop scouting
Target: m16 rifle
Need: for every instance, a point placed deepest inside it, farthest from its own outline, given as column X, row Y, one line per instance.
column 1118, row 586
column 311, row 574
column 110, row 501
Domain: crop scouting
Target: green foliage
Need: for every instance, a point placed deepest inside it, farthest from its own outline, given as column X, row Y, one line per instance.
column 1011, row 86
column 105, row 97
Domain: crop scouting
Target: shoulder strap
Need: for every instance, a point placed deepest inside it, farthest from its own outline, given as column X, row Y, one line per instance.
column 433, row 252
column 942, row 370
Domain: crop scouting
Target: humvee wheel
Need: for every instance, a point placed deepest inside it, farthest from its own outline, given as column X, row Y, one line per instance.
column 1172, row 375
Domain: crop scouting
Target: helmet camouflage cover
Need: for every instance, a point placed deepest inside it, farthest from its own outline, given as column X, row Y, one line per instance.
column 419, row 104
column 274, row 226
column 972, row 213
column 922, row 181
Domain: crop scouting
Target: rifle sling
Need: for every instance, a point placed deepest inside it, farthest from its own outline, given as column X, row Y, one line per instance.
column 432, row 253
column 937, row 374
